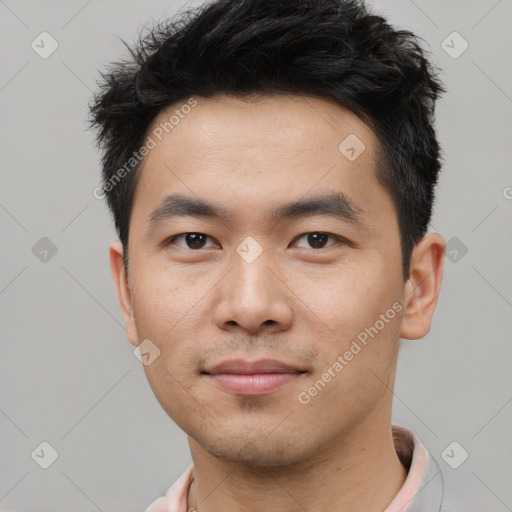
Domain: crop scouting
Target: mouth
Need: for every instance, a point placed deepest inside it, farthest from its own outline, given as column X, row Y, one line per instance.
column 253, row 378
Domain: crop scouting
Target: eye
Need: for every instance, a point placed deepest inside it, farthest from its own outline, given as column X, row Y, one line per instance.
column 195, row 241
column 317, row 239
column 192, row 240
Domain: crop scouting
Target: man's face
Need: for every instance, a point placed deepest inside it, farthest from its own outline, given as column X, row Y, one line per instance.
column 303, row 300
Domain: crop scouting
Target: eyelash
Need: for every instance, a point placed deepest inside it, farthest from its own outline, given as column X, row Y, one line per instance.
column 337, row 239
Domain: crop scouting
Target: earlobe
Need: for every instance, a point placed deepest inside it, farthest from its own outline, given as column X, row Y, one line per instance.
column 423, row 286
column 123, row 290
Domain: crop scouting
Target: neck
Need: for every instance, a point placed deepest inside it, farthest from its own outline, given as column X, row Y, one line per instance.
column 358, row 471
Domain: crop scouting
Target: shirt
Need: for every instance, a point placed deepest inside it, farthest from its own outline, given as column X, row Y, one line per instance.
column 422, row 490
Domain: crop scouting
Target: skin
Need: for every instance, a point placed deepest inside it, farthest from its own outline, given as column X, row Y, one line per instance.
column 297, row 303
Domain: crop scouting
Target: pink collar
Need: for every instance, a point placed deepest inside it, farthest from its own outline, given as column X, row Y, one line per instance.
column 409, row 449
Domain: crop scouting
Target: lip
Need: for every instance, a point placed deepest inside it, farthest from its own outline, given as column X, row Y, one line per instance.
column 240, row 366
column 253, row 377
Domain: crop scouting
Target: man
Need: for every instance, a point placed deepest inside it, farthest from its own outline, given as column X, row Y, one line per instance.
column 271, row 170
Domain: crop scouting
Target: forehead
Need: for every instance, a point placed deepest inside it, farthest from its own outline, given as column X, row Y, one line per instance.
column 257, row 150
column 309, row 123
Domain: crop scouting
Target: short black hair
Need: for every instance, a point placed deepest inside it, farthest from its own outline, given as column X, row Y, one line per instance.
column 332, row 49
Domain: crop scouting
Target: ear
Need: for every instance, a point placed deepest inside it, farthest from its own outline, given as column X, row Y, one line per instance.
column 423, row 286
column 123, row 290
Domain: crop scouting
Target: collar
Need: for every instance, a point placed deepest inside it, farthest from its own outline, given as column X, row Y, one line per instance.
column 422, row 490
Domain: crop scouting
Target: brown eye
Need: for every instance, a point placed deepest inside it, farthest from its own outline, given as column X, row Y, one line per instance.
column 192, row 240
column 318, row 240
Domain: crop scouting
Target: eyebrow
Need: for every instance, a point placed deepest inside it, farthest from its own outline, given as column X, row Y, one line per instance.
column 336, row 205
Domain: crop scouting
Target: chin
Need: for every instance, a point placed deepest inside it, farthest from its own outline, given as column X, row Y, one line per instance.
column 256, row 452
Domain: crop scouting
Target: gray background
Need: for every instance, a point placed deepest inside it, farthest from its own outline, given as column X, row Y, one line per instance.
column 69, row 376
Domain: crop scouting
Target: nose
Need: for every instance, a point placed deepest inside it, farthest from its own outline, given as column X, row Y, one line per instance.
column 253, row 297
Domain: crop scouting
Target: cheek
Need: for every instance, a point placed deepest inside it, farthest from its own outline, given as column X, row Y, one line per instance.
column 171, row 313
column 344, row 300
column 354, row 318
column 161, row 302
column 355, row 376
column 163, row 314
